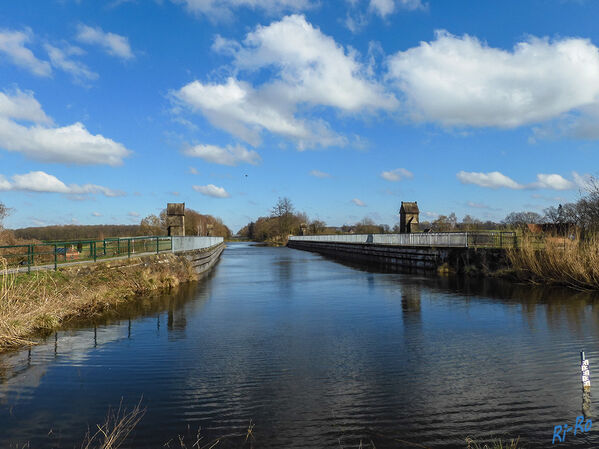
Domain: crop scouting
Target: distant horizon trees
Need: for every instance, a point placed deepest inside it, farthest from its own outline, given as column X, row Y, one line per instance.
column 283, row 220
column 195, row 224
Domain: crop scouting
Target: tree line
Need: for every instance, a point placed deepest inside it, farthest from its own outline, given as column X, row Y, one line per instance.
column 195, row 224
column 284, row 220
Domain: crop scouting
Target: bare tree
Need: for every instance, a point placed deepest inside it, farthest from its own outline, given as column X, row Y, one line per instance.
column 317, row 227
column 283, row 211
column 523, row 218
column 4, row 212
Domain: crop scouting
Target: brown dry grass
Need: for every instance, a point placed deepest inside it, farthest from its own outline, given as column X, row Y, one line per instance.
column 36, row 303
column 497, row 444
column 571, row 263
column 115, row 430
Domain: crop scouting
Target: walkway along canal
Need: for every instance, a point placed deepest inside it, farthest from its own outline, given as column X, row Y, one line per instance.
column 317, row 354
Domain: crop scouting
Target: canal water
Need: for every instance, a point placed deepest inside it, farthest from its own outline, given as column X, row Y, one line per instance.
column 314, row 354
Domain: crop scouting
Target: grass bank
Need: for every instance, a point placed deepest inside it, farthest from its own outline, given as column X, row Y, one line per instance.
column 570, row 263
column 35, row 304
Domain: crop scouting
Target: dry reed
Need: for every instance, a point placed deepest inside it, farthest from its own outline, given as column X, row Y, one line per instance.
column 115, row 430
column 574, row 263
column 496, row 444
column 37, row 303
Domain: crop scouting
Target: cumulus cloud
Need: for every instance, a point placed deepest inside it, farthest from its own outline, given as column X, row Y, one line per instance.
column 96, row 214
column 223, row 9
column 552, row 181
column 22, row 106
column 308, row 69
column 133, row 214
column 319, row 174
column 231, row 155
column 12, row 45
column 212, row 190
column 397, row 175
column 60, row 59
column 385, row 7
column 358, row 202
column 43, row 141
column 111, row 43
column 495, row 180
column 39, row 181
column 461, row 81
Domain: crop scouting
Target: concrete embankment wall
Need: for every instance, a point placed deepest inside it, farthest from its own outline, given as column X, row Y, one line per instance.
column 459, row 259
column 201, row 258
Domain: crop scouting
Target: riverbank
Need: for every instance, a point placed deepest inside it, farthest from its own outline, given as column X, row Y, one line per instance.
column 573, row 264
column 32, row 305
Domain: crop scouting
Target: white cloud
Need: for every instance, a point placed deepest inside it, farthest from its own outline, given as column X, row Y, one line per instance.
column 231, row 155
column 60, row 59
column 313, row 68
column 113, row 44
column 12, row 44
column 461, row 81
column 397, row 175
column 493, row 180
column 237, row 108
column 22, row 106
column 582, row 181
column 319, row 174
column 358, row 202
column 96, row 214
column 222, row 9
column 4, row 183
column 552, row 181
column 385, row 7
column 45, row 142
column 39, row 181
column 193, row 170
column 133, row 214
column 309, row 69
column 212, row 190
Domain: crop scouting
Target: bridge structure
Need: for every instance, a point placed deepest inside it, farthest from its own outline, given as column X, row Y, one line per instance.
column 442, row 251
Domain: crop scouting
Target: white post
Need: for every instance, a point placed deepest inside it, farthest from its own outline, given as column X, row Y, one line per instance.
column 586, row 374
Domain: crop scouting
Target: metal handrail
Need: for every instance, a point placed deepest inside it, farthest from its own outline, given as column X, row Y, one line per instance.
column 61, row 252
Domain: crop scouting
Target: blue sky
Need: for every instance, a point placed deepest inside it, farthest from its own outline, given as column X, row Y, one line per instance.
column 109, row 110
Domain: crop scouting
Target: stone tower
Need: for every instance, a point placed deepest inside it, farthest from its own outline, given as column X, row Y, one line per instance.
column 408, row 217
column 175, row 219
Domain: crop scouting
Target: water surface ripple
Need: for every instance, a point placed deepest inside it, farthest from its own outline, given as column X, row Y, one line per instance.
column 316, row 354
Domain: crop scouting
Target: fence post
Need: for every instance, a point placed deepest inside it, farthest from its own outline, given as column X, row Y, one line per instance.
column 104, row 241
column 55, row 259
column 157, row 245
column 118, row 246
column 501, row 239
column 95, row 251
column 29, row 257
column 129, row 248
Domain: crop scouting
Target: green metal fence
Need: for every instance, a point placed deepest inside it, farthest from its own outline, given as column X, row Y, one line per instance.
column 492, row 239
column 58, row 253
